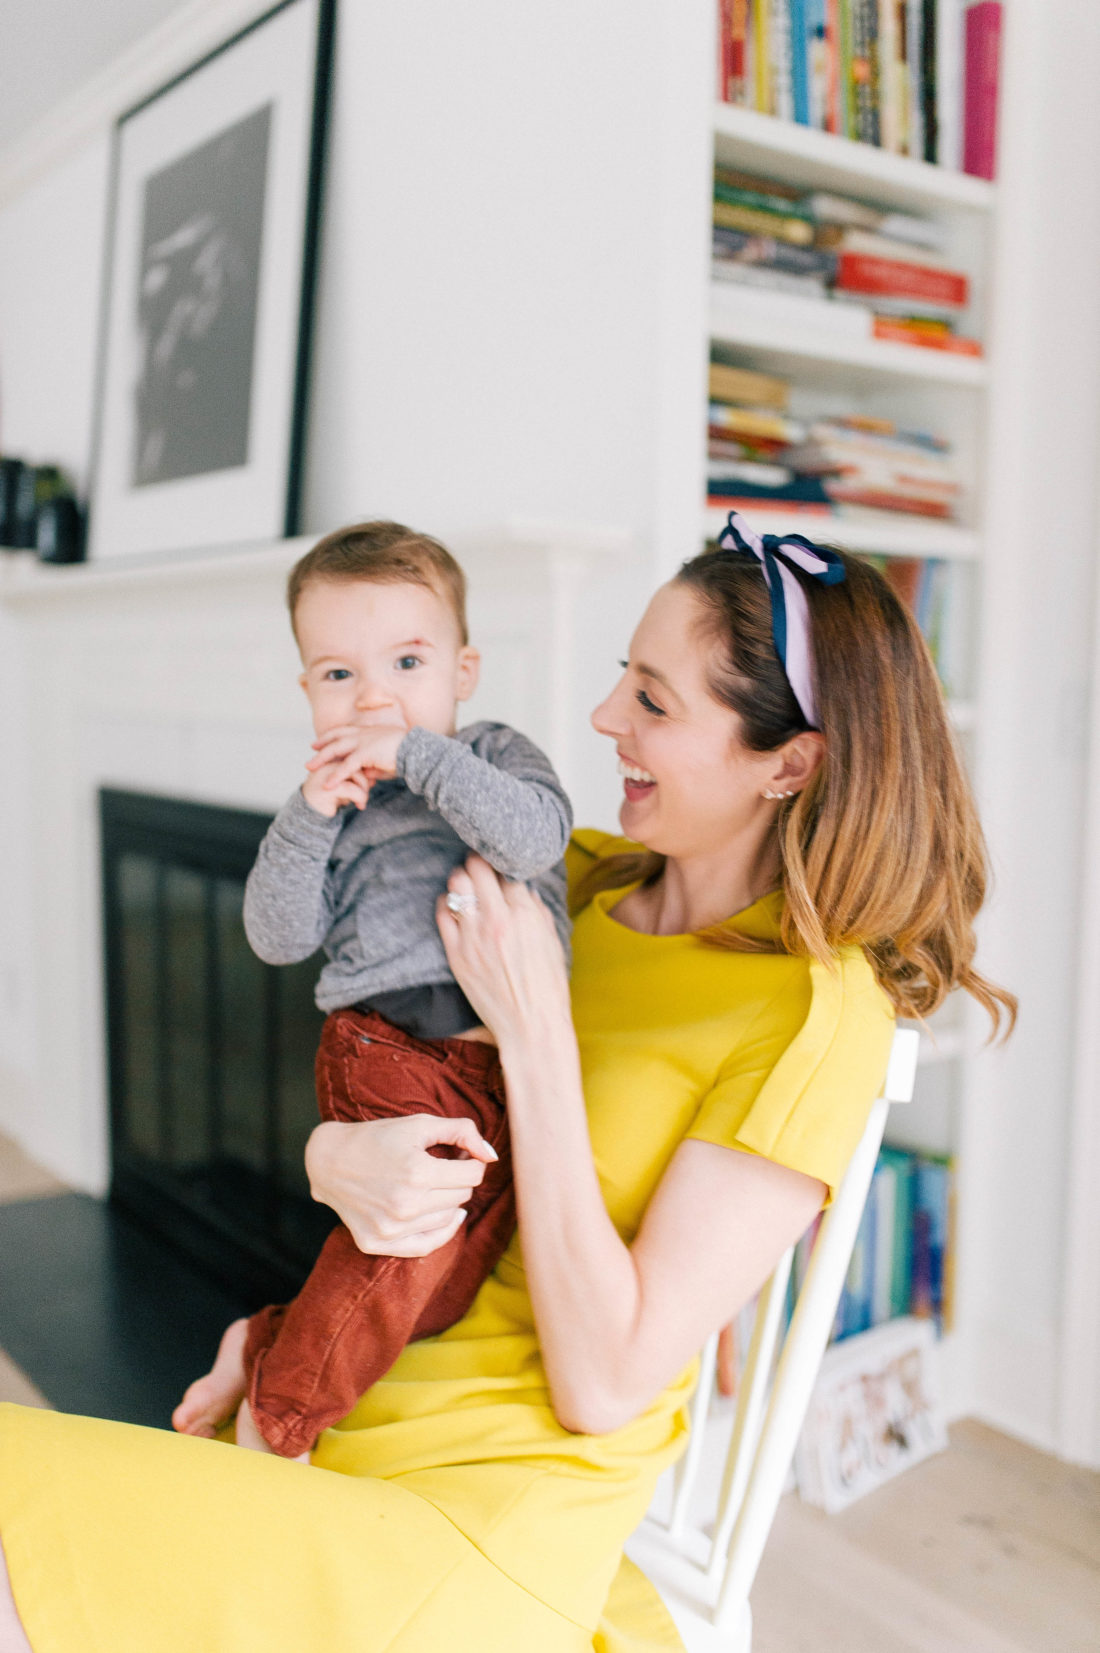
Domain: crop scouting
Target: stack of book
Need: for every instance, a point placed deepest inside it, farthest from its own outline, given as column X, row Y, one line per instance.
column 917, row 77
column 903, row 1259
column 749, row 433
column 824, row 261
column 757, row 453
column 872, row 464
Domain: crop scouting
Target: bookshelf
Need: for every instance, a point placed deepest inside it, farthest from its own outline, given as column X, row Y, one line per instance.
column 920, row 389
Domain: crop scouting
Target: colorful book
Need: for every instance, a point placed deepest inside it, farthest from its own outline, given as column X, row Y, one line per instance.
column 798, row 51
column 875, row 244
column 929, row 87
column 923, row 334
column 856, row 273
column 781, row 94
column 767, row 253
column 949, row 82
column 763, row 221
column 981, row 69
column 733, row 178
column 761, row 64
column 751, row 424
column 914, row 78
column 901, row 1258
column 738, row 82
column 801, row 490
column 864, row 70
column 743, row 385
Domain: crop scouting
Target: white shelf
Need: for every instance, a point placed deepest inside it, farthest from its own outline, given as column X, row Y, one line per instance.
column 784, row 347
column 820, row 160
column 884, row 533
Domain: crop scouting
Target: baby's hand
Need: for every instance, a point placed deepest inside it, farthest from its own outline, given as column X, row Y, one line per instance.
column 320, row 794
column 350, row 753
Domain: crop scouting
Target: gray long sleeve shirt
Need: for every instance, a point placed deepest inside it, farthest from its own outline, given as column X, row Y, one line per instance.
column 364, row 884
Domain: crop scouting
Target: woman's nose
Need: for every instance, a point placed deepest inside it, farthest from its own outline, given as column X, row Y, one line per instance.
column 609, row 716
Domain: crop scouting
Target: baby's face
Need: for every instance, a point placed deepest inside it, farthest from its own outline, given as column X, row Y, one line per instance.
column 382, row 655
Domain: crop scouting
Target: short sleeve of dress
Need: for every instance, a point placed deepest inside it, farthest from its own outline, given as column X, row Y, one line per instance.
column 799, row 1088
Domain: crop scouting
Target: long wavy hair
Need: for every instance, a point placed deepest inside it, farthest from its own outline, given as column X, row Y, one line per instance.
column 883, row 848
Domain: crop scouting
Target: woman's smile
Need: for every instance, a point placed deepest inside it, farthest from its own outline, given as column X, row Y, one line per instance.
column 638, row 783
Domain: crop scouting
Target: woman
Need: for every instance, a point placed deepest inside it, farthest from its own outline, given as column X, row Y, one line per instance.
column 786, row 761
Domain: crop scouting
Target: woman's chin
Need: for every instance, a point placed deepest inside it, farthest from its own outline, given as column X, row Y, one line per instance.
column 636, row 813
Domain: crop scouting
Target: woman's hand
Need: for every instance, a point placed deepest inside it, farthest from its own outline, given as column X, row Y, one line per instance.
column 397, row 1199
column 505, row 954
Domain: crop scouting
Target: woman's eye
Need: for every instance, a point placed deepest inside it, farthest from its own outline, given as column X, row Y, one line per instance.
column 337, row 674
column 647, row 705
column 408, row 662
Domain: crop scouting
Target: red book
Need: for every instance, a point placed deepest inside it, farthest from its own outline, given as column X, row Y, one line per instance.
column 980, row 71
column 725, row 50
column 885, row 327
column 859, row 273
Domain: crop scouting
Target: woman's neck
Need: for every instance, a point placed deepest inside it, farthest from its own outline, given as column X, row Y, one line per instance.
column 696, row 892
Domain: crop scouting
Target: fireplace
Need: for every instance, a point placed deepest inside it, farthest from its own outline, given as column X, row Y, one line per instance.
column 210, row 1051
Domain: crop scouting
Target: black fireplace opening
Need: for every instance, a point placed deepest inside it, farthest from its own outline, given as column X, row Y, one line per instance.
column 210, row 1051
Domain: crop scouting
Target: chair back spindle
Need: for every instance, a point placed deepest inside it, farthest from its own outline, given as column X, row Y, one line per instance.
column 704, row 1568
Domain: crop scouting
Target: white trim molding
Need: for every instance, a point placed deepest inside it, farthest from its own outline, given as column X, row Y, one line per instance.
column 1079, row 1385
column 180, row 40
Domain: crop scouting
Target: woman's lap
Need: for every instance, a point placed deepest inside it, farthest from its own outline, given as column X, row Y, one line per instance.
column 131, row 1540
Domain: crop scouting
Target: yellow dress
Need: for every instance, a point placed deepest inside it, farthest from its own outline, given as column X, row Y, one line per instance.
column 449, row 1510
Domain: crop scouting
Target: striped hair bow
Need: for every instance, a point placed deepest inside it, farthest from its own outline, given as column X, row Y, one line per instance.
column 778, row 554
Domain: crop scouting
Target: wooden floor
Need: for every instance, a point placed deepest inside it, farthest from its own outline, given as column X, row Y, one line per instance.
column 991, row 1547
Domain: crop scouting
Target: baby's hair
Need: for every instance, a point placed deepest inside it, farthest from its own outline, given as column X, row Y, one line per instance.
column 386, row 553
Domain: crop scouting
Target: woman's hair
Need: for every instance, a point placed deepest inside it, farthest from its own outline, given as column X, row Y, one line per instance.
column 883, row 847
column 387, row 553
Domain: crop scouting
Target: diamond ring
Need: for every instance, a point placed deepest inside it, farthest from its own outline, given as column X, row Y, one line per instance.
column 460, row 903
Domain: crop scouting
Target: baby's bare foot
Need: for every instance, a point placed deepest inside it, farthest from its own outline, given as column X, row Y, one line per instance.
column 248, row 1435
column 211, row 1400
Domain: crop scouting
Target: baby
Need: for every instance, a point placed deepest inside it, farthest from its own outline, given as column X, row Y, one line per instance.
column 355, row 861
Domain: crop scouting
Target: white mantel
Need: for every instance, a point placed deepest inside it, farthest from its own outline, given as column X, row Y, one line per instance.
column 180, row 677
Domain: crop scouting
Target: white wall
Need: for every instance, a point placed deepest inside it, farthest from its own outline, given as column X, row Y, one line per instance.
column 1037, row 609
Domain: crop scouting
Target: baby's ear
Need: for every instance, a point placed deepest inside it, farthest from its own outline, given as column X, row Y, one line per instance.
column 469, row 671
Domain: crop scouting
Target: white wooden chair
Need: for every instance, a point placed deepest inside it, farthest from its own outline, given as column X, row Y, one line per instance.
column 702, row 1558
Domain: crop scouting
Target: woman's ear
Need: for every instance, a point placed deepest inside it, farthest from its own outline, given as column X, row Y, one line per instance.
column 800, row 758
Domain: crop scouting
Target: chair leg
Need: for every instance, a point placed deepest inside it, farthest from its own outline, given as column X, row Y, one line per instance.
column 741, row 1640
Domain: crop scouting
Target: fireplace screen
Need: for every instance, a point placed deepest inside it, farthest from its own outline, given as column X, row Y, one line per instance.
column 210, row 1051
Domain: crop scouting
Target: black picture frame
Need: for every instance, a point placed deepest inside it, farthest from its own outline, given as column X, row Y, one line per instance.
column 213, row 235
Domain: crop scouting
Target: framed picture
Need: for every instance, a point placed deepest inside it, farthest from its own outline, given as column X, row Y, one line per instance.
column 875, row 1409
column 212, row 240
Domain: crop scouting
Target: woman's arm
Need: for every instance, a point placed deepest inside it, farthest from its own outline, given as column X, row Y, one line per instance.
column 616, row 1322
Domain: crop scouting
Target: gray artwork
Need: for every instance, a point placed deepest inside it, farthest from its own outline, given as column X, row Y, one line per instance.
column 202, row 231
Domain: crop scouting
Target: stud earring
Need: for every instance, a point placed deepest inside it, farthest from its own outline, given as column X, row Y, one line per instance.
column 768, row 793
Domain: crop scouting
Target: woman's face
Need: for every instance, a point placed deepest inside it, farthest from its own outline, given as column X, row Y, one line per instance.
column 690, row 784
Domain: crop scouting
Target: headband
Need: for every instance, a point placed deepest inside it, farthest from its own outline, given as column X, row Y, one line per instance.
column 778, row 554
